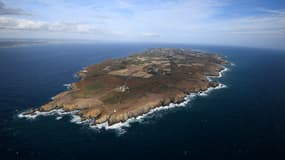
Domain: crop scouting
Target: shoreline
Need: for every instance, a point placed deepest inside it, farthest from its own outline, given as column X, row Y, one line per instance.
column 59, row 113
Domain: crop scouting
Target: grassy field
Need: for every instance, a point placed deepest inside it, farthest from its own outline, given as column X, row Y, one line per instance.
column 95, row 85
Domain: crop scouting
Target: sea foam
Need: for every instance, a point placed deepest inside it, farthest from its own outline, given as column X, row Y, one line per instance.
column 119, row 127
column 67, row 85
column 58, row 112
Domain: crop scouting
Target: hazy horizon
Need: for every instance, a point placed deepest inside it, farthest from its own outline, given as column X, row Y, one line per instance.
column 258, row 24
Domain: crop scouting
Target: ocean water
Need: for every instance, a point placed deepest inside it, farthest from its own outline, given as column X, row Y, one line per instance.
column 243, row 121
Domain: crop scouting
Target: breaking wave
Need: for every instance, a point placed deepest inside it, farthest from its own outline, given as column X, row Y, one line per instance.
column 59, row 112
column 67, row 85
column 121, row 125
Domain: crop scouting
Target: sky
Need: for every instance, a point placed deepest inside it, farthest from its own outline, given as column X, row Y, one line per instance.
column 252, row 23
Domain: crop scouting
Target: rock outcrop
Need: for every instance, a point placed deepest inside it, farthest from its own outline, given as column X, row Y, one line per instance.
column 118, row 89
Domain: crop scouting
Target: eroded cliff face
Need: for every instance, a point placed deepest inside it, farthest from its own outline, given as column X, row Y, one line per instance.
column 118, row 89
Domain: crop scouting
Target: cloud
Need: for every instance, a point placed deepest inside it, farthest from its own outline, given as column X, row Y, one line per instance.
column 271, row 24
column 30, row 25
column 271, row 11
column 123, row 4
column 21, row 24
column 4, row 10
column 185, row 21
column 151, row 35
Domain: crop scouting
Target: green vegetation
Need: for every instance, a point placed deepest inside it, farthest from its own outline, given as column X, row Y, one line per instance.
column 93, row 86
column 111, row 98
column 125, row 85
column 136, row 61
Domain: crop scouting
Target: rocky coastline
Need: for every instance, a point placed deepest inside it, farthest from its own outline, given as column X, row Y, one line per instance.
column 182, row 73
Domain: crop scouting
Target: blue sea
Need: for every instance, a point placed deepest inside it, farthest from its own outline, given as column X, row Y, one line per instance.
column 245, row 120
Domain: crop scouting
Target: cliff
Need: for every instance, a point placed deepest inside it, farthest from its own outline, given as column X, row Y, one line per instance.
column 118, row 89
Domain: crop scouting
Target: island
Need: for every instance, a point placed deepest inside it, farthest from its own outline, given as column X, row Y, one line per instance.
column 116, row 90
column 20, row 43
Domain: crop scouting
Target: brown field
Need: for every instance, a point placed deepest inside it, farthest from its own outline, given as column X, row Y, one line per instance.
column 118, row 89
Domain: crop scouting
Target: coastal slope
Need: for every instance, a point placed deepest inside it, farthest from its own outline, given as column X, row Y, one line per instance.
column 118, row 89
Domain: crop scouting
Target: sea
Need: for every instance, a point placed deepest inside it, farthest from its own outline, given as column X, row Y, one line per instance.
column 244, row 120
